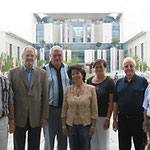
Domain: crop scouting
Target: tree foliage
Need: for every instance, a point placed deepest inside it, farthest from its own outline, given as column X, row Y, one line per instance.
column 98, row 44
column 115, row 41
column 7, row 62
column 42, row 42
column 74, row 60
column 41, row 63
column 140, row 65
column 57, row 44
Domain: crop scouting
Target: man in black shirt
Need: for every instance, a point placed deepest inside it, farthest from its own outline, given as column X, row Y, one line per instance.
column 128, row 100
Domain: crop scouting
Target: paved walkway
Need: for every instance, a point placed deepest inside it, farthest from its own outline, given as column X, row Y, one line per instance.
column 113, row 141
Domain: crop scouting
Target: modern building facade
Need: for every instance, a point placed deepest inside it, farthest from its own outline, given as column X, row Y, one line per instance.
column 79, row 34
column 139, row 46
column 12, row 45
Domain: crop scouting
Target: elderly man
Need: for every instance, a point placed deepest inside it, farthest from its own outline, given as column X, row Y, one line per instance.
column 58, row 80
column 30, row 87
column 6, row 110
column 128, row 100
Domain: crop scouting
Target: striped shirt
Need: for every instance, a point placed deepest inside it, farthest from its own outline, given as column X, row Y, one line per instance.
column 6, row 96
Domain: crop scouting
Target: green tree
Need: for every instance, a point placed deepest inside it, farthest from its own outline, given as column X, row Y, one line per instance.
column 42, row 42
column 57, row 44
column 142, row 66
column 98, row 44
column 7, row 62
column 74, row 60
column 16, row 62
column 115, row 41
column 41, row 63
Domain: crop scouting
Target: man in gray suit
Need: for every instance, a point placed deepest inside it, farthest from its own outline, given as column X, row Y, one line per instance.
column 30, row 87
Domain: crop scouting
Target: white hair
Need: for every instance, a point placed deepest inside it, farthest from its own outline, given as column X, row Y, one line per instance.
column 31, row 47
column 128, row 59
column 56, row 48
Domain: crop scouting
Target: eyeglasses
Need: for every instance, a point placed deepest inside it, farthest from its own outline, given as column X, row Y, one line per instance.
column 77, row 73
column 26, row 55
column 127, row 66
column 55, row 55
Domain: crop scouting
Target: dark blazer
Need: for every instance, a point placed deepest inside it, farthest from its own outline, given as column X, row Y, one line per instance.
column 33, row 101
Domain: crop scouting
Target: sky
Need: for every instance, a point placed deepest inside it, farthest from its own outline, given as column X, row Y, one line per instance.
column 16, row 15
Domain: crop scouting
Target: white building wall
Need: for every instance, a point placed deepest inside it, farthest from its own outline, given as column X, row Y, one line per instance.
column 70, row 33
column 64, row 55
column 101, row 33
column 98, row 33
column 147, row 49
column 113, row 59
column 2, row 42
column 34, row 33
column 66, row 33
column 122, row 29
column 99, row 54
column 61, row 33
column 42, row 55
column 145, row 39
column 92, row 33
column 34, row 29
column 85, row 33
column 89, row 56
column 104, row 54
column 121, row 58
column 68, row 55
column 8, row 38
column 48, row 33
column 107, row 32
column 56, row 33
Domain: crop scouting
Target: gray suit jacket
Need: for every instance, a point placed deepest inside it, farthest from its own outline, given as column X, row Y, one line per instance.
column 33, row 101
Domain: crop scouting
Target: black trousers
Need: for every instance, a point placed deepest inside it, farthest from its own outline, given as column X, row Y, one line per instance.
column 130, row 126
column 33, row 137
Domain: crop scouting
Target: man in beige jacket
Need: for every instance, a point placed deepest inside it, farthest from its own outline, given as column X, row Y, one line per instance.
column 30, row 87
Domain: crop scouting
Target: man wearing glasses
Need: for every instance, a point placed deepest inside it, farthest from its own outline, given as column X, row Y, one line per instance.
column 30, row 87
column 58, row 80
column 128, row 100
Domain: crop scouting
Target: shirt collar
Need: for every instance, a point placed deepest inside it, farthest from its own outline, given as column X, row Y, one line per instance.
column 52, row 66
column 25, row 68
column 133, row 79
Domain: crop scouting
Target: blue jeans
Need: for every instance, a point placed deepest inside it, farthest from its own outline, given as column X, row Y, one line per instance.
column 79, row 138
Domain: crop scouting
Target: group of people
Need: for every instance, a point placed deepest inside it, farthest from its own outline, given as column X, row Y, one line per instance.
column 58, row 99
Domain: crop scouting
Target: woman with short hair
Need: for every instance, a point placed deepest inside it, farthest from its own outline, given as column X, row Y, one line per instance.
column 104, row 90
column 79, row 111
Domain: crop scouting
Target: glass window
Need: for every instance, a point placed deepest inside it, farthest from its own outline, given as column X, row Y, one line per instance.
column 142, row 50
column 10, row 50
column 18, row 53
column 115, row 30
column 39, row 32
column 108, row 60
column 135, row 50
